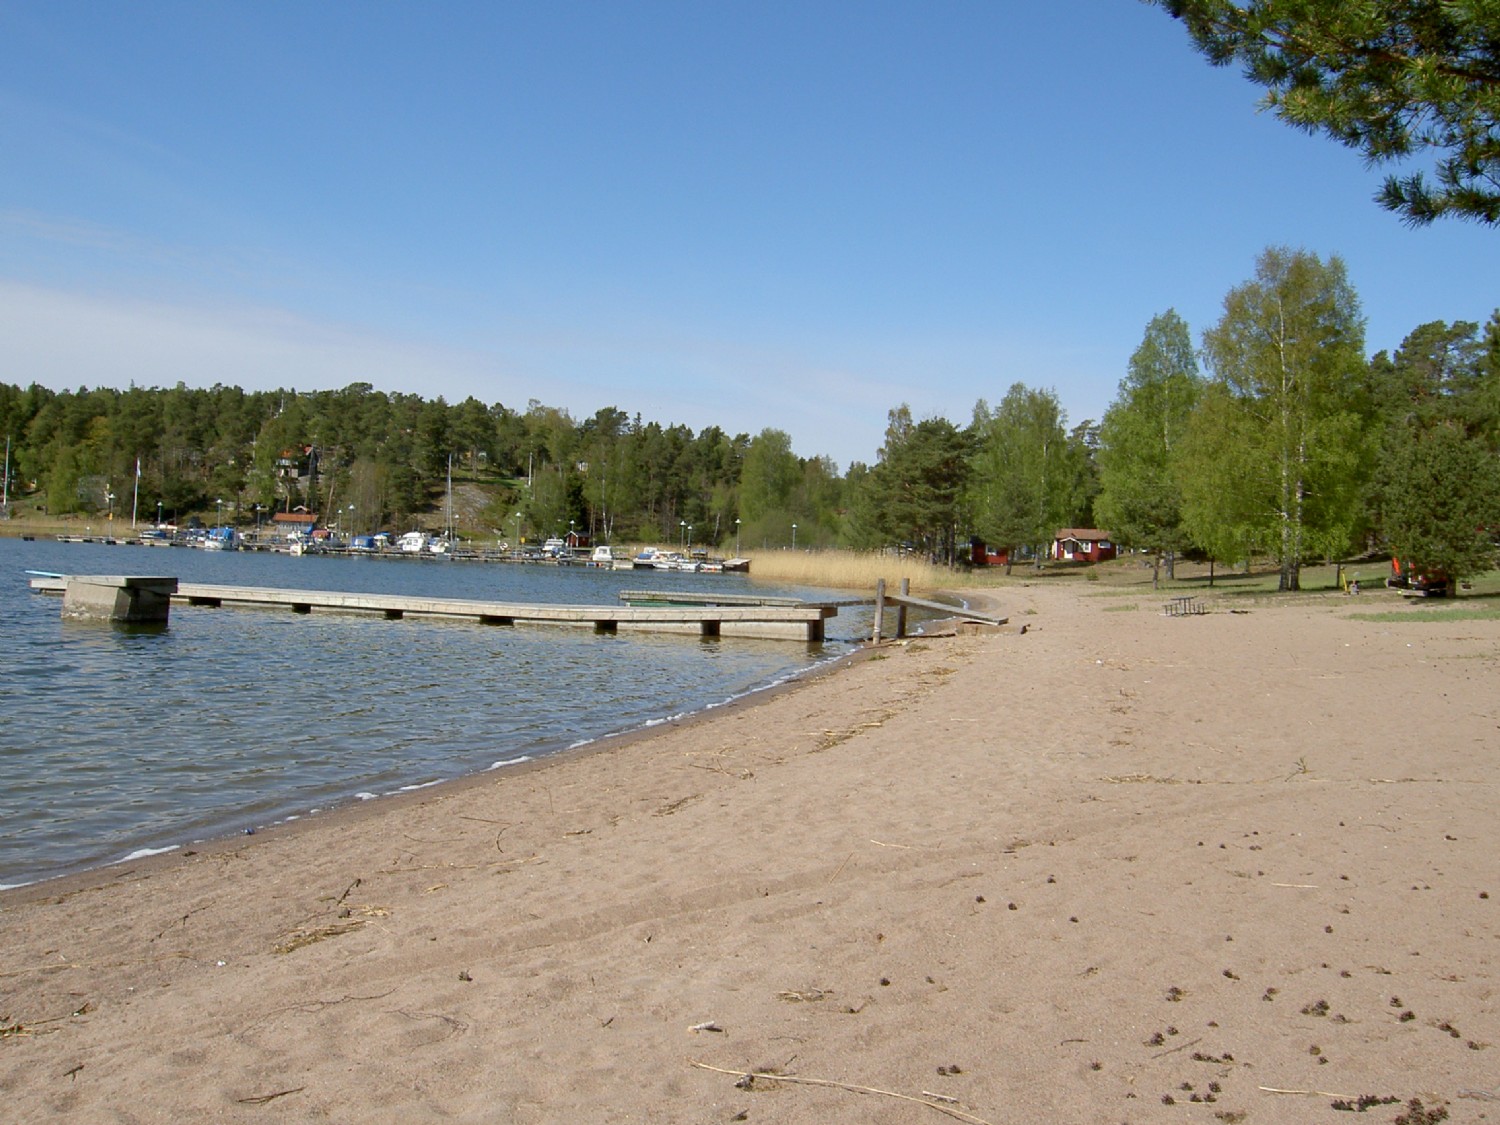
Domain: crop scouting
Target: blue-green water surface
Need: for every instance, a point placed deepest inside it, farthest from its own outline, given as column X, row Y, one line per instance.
column 118, row 741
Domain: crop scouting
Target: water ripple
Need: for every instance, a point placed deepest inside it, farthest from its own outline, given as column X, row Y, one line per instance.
column 121, row 740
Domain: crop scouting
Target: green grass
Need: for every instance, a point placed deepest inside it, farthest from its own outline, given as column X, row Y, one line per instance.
column 1462, row 610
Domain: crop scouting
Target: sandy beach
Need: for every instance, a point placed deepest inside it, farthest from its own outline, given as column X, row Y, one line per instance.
column 1119, row 867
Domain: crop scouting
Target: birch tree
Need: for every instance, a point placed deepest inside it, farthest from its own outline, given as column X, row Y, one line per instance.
column 1024, row 484
column 1289, row 353
column 1140, row 501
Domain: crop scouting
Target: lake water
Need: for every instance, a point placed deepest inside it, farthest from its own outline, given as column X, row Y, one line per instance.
column 116, row 741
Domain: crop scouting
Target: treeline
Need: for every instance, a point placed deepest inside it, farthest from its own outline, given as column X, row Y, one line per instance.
column 371, row 460
column 1290, row 444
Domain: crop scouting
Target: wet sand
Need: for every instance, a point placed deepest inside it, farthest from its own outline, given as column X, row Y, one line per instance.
column 1121, row 867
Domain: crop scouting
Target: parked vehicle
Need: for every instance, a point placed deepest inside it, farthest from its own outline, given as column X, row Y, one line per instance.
column 1429, row 582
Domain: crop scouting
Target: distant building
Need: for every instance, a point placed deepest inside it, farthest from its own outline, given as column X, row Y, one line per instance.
column 982, row 554
column 287, row 524
column 1083, row 544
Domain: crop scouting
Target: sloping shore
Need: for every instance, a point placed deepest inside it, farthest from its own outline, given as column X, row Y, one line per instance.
column 1123, row 867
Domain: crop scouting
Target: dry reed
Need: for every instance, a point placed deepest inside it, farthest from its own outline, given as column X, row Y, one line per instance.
column 851, row 570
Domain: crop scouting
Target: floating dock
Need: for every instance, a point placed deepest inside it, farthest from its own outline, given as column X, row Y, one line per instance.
column 804, row 621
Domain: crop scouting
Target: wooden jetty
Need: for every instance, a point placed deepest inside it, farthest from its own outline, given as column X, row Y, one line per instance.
column 796, row 621
column 902, row 601
column 694, row 597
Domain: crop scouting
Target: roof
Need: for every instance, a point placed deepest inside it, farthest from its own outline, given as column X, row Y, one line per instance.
column 295, row 517
column 1082, row 533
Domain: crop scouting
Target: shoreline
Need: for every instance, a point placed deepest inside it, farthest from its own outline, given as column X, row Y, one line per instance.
column 1123, row 867
column 44, row 844
column 148, row 860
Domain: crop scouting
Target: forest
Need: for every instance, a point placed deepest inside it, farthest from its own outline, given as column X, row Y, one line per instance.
column 1275, row 436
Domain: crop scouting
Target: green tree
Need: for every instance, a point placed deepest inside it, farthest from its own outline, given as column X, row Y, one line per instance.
column 1289, row 352
column 1389, row 78
column 1434, row 372
column 1140, row 501
column 1223, row 478
column 1024, row 484
column 1442, row 499
column 918, row 484
column 770, row 473
column 63, row 480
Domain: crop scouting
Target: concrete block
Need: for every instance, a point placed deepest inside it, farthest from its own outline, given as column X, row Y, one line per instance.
column 129, row 599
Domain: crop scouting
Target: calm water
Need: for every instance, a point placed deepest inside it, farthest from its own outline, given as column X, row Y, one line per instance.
column 117, row 741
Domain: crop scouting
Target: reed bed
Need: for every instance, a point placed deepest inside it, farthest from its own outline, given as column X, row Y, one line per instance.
column 853, row 570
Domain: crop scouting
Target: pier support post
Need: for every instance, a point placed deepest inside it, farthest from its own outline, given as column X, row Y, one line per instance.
column 875, row 633
column 130, row 600
column 901, row 609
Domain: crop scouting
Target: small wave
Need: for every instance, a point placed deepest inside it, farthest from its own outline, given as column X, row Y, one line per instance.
column 503, row 762
column 420, row 785
column 142, row 853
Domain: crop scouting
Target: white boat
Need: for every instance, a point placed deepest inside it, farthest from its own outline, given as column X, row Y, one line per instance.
column 221, row 539
column 412, row 543
column 440, row 546
column 604, row 556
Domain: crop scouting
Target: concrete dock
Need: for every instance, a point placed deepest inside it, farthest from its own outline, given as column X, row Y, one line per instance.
column 804, row 621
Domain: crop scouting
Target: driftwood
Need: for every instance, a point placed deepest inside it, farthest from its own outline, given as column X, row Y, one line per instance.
column 750, row 1075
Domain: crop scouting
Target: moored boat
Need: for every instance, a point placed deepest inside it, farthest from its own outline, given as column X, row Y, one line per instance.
column 221, row 539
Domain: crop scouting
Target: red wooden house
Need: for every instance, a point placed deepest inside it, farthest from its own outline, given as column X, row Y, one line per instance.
column 1083, row 544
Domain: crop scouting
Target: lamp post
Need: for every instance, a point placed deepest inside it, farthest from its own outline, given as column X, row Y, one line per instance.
column 682, row 532
column 571, row 542
column 736, row 536
column 690, row 539
column 158, row 513
column 351, row 521
column 110, row 498
column 794, row 537
column 259, row 508
column 518, row 533
column 220, row 504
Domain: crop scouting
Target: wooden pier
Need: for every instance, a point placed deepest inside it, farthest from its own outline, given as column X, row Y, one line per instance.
column 902, row 601
column 803, row 621
column 710, row 597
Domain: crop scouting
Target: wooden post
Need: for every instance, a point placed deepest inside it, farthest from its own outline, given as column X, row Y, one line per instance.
column 879, row 611
column 901, row 609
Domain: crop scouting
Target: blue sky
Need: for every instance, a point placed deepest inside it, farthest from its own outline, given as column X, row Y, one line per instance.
column 772, row 214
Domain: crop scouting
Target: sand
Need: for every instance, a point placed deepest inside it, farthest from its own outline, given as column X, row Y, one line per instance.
column 1120, row 868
